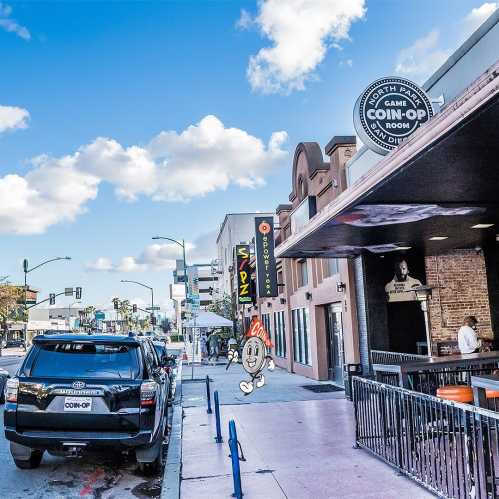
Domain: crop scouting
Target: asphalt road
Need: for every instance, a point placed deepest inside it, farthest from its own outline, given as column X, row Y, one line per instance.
column 94, row 477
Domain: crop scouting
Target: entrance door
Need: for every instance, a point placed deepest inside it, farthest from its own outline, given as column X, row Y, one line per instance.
column 334, row 326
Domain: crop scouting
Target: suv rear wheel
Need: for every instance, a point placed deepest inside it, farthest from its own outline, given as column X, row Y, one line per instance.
column 32, row 462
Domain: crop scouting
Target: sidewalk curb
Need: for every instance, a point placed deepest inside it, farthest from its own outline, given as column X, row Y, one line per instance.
column 170, row 488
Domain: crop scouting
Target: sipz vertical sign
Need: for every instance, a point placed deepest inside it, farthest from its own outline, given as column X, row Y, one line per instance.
column 266, row 271
column 244, row 289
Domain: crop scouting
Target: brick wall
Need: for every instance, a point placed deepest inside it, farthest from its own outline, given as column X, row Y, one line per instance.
column 460, row 287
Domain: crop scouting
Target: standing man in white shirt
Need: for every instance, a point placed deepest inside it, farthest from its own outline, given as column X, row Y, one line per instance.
column 467, row 336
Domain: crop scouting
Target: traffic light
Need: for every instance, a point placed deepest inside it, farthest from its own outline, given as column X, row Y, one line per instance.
column 52, row 298
column 25, row 265
column 134, row 308
column 78, row 293
column 116, row 304
column 153, row 320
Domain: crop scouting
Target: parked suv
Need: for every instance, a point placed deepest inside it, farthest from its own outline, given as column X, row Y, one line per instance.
column 77, row 393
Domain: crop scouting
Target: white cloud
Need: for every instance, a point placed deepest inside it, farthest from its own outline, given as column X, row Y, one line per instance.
column 129, row 264
column 45, row 196
column 10, row 25
column 161, row 256
column 300, row 32
column 173, row 167
column 346, row 62
column 12, row 118
column 422, row 58
column 102, row 263
column 478, row 15
column 245, row 20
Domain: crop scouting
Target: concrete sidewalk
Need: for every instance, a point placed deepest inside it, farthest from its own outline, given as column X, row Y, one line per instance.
column 298, row 448
column 280, row 386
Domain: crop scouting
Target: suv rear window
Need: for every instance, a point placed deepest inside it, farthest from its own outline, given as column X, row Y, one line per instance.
column 86, row 360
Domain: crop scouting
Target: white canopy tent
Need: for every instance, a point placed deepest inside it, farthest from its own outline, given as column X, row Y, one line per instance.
column 208, row 320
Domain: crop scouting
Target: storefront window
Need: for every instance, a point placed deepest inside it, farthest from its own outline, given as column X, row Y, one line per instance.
column 302, row 273
column 266, row 324
column 301, row 337
column 279, row 336
column 332, row 267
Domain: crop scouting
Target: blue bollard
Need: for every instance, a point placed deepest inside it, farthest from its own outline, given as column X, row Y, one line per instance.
column 218, row 438
column 236, row 471
column 208, row 395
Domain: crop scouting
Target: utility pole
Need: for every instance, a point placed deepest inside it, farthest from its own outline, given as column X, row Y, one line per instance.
column 27, row 270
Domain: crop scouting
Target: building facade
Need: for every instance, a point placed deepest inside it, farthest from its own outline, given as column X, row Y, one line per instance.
column 237, row 228
column 419, row 225
column 313, row 320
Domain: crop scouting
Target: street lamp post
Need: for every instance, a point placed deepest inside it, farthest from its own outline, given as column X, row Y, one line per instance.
column 27, row 270
column 182, row 245
column 150, row 289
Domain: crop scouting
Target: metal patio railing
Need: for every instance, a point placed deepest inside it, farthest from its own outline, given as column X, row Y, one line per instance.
column 382, row 357
column 451, row 449
column 427, row 381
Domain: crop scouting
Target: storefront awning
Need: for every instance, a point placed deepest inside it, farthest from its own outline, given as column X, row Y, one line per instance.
column 208, row 320
column 426, row 194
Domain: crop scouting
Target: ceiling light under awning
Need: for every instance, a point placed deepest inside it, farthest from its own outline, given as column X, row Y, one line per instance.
column 482, row 226
column 438, row 238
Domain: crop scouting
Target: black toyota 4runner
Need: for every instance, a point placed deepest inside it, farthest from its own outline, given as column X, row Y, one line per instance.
column 77, row 393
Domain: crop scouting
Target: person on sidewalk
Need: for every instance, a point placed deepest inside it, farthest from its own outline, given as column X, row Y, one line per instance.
column 232, row 343
column 214, row 343
column 203, row 347
column 467, row 337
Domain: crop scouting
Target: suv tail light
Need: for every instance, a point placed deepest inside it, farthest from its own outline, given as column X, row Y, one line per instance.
column 148, row 393
column 11, row 389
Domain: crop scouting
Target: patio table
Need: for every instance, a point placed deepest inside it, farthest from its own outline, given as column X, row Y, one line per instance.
column 482, row 383
column 405, row 369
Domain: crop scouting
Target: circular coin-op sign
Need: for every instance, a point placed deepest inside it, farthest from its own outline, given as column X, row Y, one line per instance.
column 388, row 111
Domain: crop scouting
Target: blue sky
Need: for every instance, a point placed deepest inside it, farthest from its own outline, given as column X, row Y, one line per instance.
column 72, row 72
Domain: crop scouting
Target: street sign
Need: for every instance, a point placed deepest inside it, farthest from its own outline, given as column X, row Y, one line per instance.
column 153, row 308
column 244, row 289
column 266, row 271
column 193, row 289
column 68, row 291
column 389, row 111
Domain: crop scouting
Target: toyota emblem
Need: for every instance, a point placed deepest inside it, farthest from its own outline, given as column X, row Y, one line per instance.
column 78, row 385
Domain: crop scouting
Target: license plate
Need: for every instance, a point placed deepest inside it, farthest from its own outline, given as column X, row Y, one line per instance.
column 77, row 404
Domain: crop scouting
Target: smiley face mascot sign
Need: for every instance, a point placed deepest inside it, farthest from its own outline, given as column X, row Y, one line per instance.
column 254, row 357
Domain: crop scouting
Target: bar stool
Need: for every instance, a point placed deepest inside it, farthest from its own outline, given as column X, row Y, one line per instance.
column 456, row 393
column 492, row 397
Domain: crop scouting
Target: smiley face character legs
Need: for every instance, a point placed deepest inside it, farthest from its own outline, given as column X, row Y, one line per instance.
column 246, row 387
column 260, row 380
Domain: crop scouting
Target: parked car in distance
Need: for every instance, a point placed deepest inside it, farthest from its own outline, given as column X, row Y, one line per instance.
column 168, row 362
column 12, row 343
column 4, row 376
column 78, row 393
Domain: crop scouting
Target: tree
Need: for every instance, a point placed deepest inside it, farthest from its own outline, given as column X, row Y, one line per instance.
column 125, row 310
column 10, row 307
column 224, row 306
